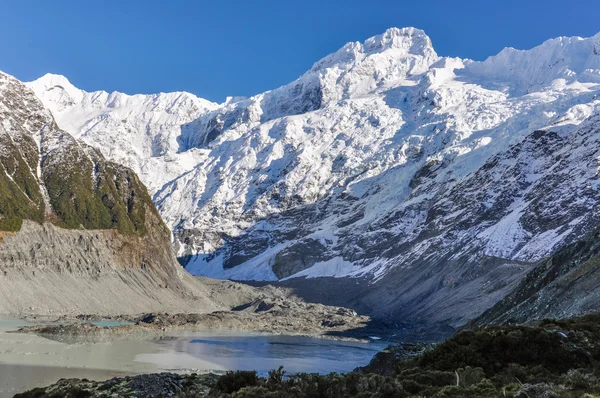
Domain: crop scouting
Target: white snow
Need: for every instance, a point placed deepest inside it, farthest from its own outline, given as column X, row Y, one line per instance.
column 336, row 267
column 129, row 129
column 362, row 120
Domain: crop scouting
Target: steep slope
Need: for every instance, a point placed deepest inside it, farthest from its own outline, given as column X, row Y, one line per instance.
column 563, row 285
column 387, row 177
column 128, row 129
column 567, row 283
column 389, row 109
column 481, row 235
column 79, row 233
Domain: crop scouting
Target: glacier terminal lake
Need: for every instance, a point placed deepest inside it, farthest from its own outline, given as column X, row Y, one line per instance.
column 28, row 360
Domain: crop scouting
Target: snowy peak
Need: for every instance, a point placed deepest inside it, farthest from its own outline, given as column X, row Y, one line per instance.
column 386, row 123
column 50, row 85
column 405, row 42
column 130, row 129
column 58, row 90
column 384, row 160
column 357, row 69
column 569, row 59
column 50, row 80
column 413, row 41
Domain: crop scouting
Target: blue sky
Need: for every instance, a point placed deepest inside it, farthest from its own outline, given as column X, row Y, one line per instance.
column 219, row 48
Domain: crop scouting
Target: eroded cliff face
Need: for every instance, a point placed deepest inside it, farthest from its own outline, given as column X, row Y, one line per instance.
column 80, row 234
column 45, row 269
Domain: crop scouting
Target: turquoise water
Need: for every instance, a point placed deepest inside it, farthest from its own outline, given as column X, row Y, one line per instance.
column 13, row 323
column 110, row 324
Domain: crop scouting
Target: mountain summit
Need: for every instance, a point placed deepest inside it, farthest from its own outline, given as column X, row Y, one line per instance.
column 404, row 43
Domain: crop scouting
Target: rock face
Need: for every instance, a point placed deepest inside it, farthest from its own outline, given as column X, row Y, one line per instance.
column 415, row 187
column 564, row 285
column 566, row 198
column 80, row 233
column 45, row 269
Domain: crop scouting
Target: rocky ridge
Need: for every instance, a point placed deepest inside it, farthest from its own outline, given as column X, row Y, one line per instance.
column 80, row 233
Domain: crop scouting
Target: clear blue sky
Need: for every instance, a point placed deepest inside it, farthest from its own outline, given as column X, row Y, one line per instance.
column 221, row 48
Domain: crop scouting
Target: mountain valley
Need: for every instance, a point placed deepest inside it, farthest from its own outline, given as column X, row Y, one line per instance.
column 387, row 178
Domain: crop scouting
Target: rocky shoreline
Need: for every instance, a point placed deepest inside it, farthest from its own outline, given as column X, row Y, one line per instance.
column 149, row 385
column 554, row 358
column 274, row 316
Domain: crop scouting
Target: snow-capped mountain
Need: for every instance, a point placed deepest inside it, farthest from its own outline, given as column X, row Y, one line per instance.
column 437, row 180
column 78, row 233
column 129, row 129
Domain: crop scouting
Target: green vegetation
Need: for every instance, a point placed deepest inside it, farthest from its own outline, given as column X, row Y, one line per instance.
column 20, row 196
column 249, row 385
column 84, row 190
column 94, row 194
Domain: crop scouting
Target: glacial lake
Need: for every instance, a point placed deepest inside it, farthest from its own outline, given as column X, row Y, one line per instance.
column 28, row 361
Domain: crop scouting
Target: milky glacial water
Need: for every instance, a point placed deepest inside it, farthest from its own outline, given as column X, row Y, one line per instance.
column 28, row 361
column 264, row 352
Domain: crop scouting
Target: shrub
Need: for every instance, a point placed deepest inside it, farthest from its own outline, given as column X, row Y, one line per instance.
column 276, row 375
column 233, row 381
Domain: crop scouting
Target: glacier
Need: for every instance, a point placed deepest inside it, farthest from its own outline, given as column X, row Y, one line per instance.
column 385, row 165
